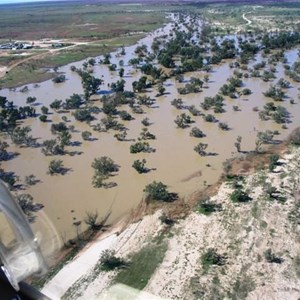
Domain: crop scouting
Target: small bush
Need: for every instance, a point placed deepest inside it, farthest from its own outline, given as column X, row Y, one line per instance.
column 239, row 196
column 211, row 257
column 207, row 208
column 271, row 257
column 109, row 261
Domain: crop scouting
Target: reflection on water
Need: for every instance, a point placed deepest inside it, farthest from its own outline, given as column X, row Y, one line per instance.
column 67, row 198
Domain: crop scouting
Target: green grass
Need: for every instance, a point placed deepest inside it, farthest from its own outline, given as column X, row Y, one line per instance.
column 76, row 20
column 142, row 266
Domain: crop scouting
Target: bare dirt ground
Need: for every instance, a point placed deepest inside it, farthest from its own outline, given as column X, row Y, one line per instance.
column 240, row 233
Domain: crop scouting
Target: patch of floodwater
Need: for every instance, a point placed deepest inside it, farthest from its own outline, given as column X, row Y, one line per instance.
column 67, row 198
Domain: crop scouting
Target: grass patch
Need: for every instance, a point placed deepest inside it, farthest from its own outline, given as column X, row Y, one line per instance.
column 142, row 266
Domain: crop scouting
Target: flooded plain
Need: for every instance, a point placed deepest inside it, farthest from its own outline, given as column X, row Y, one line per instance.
column 67, row 198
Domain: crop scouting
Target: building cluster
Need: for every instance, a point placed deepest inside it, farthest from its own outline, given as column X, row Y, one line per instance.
column 15, row 46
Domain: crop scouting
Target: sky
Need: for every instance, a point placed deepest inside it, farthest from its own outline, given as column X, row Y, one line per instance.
column 19, row 1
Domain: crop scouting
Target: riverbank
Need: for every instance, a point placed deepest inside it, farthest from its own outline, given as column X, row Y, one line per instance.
column 240, row 232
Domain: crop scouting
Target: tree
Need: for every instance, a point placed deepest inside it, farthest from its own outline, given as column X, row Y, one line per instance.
column 196, row 132
column 90, row 84
column 31, row 179
column 52, row 147
column 59, row 79
column 237, row 144
column 56, row 104
column 200, row 149
column 109, row 261
column 183, row 120
column 146, row 122
column 4, row 155
column 121, row 136
column 56, row 167
column 91, row 220
column 125, row 116
column 30, row 100
column 86, row 135
column 158, row 191
column 20, row 136
column 121, row 72
column 73, row 102
column 223, row 126
column 27, row 205
column 83, row 115
column 44, row 110
column 141, row 147
column 118, row 86
column 103, row 168
column 161, row 89
column 146, row 135
column 139, row 166
column 43, row 118
column 178, row 103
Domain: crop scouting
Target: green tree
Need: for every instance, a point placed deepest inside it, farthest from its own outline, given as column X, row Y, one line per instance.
column 121, row 72
column 161, row 89
column 30, row 100
column 200, row 149
column 196, row 132
column 86, row 135
column 139, row 166
column 103, row 168
column 44, row 110
column 158, row 191
column 43, row 118
column 4, row 155
column 20, row 136
column 59, row 78
column 56, row 104
column 56, row 167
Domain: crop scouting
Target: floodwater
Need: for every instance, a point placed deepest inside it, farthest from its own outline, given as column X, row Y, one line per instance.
column 67, row 198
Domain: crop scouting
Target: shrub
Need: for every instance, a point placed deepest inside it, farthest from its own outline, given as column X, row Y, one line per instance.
column 211, row 257
column 239, row 196
column 109, row 261
column 207, row 208
column 271, row 257
column 273, row 162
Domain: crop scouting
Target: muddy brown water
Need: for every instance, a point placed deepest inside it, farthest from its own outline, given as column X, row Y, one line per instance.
column 67, row 198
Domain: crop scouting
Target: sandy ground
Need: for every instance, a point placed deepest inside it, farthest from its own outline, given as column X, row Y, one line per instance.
column 2, row 71
column 240, row 233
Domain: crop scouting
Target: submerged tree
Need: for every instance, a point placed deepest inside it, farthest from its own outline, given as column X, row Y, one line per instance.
column 103, row 168
column 158, row 191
